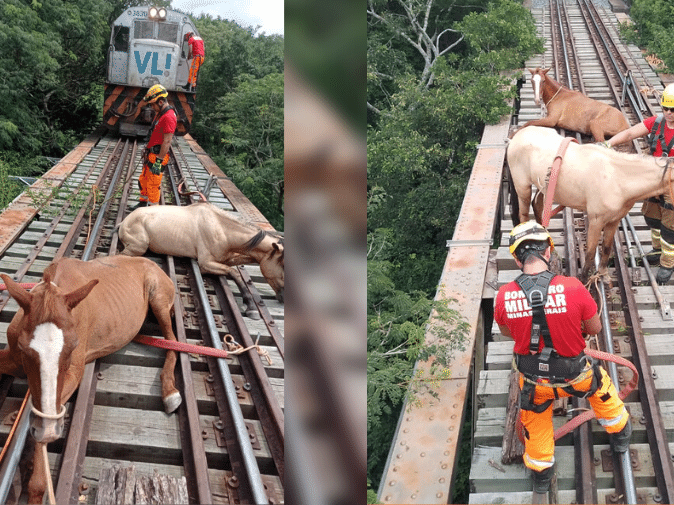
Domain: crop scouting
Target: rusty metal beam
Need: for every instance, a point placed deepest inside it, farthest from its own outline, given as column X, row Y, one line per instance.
column 425, row 449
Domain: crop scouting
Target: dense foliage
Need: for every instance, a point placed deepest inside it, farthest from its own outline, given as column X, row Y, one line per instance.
column 437, row 73
column 52, row 59
column 652, row 28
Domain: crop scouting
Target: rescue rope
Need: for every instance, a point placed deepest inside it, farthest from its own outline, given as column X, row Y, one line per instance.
column 236, row 348
column 553, row 96
column 47, row 473
column 588, row 414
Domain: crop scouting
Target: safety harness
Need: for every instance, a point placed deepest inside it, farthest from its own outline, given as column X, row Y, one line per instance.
column 157, row 147
column 548, row 368
column 658, row 133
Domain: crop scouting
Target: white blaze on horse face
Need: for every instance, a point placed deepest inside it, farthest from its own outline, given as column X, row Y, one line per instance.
column 536, row 83
column 48, row 343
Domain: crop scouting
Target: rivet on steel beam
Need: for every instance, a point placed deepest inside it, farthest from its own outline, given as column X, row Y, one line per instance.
column 406, row 430
column 395, row 468
column 413, row 496
column 399, row 456
column 430, row 418
column 403, row 443
column 443, row 466
column 423, row 454
column 392, row 483
column 387, row 497
column 446, row 453
column 451, row 428
column 439, row 495
column 441, row 479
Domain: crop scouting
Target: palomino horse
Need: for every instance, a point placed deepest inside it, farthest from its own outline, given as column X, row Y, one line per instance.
column 212, row 236
column 604, row 183
column 572, row 110
column 81, row 310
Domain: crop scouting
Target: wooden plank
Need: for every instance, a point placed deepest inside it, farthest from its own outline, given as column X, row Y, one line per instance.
column 512, row 449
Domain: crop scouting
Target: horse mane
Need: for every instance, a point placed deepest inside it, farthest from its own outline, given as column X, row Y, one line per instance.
column 261, row 234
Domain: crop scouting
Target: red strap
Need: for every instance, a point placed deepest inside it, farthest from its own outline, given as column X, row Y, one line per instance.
column 550, row 191
column 180, row 346
column 25, row 285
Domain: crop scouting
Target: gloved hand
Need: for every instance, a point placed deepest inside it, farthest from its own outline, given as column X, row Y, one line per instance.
column 155, row 168
column 604, row 144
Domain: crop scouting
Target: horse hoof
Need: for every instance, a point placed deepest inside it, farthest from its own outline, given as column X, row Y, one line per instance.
column 172, row 402
column 253, row 314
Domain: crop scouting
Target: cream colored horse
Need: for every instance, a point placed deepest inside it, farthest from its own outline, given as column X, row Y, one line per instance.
column 80, row 311
column 604, row 183
column 212, row 236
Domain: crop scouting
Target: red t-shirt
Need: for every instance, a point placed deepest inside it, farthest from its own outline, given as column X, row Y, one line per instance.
column 197, row 44
column 669, row 133
column 568, row 304
column 166, row 124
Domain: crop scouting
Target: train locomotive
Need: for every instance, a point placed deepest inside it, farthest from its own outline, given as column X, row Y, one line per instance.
column 147, row 47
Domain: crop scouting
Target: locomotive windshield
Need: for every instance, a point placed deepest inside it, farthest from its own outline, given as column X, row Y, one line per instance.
column 167, row 32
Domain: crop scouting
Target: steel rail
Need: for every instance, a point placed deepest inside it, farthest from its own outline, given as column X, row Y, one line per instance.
column 67, row 489
column 8, row 470
column 250, row 464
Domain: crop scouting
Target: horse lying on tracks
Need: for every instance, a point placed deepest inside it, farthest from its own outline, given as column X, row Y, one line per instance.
column 604, row 183
column 80, row 311
column 572, row 110
column 212, row 236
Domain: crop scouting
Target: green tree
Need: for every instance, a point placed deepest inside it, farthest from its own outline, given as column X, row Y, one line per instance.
column 239, row 114
column 251, row 132
column 396, row 330
column 652, row 27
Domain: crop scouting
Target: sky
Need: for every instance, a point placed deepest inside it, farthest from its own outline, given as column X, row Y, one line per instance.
column 268, row 14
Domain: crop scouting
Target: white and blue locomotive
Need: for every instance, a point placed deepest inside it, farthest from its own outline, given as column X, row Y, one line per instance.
column 147, row 47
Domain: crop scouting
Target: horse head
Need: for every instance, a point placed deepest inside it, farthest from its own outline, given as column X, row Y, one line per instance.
column 537, row 80
column 272, row 268
column 43, row 341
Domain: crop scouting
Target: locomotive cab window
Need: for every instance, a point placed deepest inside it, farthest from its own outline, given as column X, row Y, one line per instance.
column 121, row 38
column 168, row 32
column 143, row 29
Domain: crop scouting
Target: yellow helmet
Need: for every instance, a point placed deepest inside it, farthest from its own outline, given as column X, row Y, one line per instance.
column 667, row 98
column 529, row 231
column 155, row 93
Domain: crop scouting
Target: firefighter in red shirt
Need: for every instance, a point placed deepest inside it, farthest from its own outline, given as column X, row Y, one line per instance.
column 155, row 155
column 658, row 211
column 546, row 315
column 196, row 54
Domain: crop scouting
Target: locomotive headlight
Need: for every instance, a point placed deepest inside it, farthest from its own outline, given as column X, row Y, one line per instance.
column 162, row 13
column 153, row 12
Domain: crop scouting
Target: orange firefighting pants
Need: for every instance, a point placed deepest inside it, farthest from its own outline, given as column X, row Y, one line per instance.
column 194, row 69
column 539, row 442
column 150, row 184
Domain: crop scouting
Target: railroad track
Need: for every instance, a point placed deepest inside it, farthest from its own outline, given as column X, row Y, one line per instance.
column 227, row 438
column 584, row 53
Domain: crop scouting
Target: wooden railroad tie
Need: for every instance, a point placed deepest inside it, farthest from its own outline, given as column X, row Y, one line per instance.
column 123, row 486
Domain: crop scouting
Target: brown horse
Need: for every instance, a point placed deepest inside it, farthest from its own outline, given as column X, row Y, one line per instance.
column 572, row 110
column 212, row 236
column 604, row 183
column 81, row 310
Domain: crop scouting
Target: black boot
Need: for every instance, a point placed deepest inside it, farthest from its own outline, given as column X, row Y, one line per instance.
column 542, row 480
column 139, row 205
column 663, row 275
column 620, row 441
column 653, row 256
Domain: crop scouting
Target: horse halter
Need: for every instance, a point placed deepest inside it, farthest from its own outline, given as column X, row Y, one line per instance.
column 47, row 416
